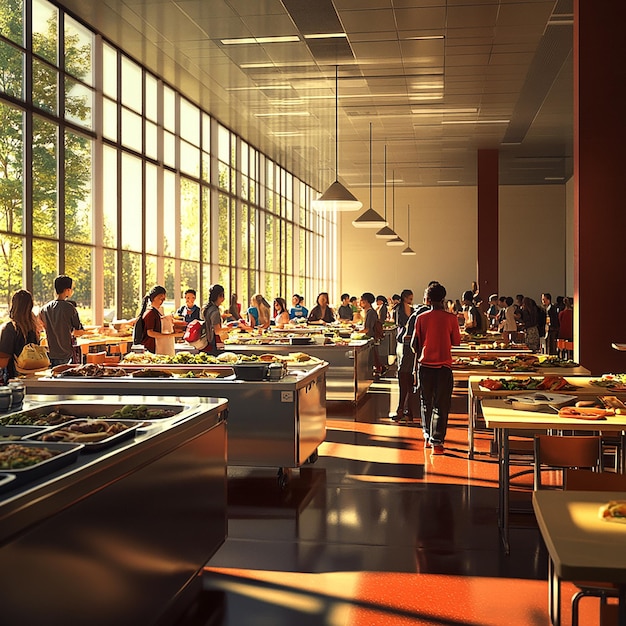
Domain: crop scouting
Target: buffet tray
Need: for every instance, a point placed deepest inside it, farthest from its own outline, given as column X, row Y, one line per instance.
column 94, row 446
column 6, row 480
column 18, row 432
column 68, row 453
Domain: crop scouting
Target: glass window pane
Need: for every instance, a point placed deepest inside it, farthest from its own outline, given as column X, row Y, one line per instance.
column 169, row 213
column 45, row 87
column 45, row 199
column 109, row 119
column 189, row 122
column 151, row 97
column 151, row 148
column 11, row 270
column 13, row 22
column 169, row 149
column 45, row 269
column 78, row 265
column 78, row 50
column 243, row 240
column 223, row 242
column 190, row 277
column 270, row 238
column 11, row 70
column 110, row 285
column 206, row 132
column 45, row 30
column 206, row 166
column 206, row 225
column 151, row 272
column 206, row 282
column 132, row 220
column 109, row 196
column 151, row 209
column 78, row 103
column 223, row 176
column 11, row 172
column 223, row 144
column 131, row 85
column 131, row 284
column 78, row 186
column 189, row 219
column 234, row 227
column 169, row 108
column 109, row 71
column 169, row 274
column 131, row 130
column 252, row 239
column 189, row 159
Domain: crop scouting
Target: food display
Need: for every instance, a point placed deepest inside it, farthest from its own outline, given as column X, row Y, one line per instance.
column 90, row 432
column 613, row 511
column 546, row 383
column 91, row 370
column 616, row 382
column 516, row 363
column 585, row 412
column 17, row 456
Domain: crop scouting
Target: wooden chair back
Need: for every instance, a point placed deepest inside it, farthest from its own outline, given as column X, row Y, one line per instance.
column 586, row 480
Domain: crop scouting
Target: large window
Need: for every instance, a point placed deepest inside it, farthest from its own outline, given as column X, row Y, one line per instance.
column 161, row 192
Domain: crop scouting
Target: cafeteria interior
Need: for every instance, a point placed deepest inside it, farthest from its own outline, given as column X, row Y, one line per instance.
column 379, row 531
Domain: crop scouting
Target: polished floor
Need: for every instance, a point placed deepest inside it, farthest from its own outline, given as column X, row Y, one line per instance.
column 378, row 532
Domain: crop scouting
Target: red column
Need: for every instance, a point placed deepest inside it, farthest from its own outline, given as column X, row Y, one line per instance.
column 599, row 175
column 487, row 261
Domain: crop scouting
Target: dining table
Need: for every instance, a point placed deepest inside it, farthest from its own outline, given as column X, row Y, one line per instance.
column 581, row 544
column 581, row 386
column 503, row 418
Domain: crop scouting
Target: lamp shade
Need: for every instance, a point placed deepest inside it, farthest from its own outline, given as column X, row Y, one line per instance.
column 386, row 233
column 408, row 251
column 337, row 198
column 397, row 241
column 369, row 219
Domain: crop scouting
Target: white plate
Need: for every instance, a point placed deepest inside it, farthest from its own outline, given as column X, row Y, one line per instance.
column 539, row 398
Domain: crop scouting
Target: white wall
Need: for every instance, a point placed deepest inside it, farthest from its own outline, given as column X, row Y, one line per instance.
column 444, row 235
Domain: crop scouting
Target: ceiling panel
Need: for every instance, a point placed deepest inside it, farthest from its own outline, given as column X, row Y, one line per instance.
column 489, row 59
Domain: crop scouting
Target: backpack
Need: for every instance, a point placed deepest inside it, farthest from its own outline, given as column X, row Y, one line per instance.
column 196, row 335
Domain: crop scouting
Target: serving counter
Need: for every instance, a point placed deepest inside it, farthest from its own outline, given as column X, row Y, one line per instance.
column 118, row 536
column 350, row 367
column 271, row 423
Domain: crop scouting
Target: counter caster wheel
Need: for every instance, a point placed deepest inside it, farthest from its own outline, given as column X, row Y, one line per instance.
column 283, row 477
column 314, row 456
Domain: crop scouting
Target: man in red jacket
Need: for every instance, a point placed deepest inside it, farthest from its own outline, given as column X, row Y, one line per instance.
column 436, row 331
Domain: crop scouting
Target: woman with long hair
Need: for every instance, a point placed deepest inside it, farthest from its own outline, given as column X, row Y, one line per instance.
column 235, row 308
column 382, row 305
column 281, row 315
column 148, row 324
column 406, row 358
column 22, row 328
column 259, row 312
column 321, row 313
column 215, row 332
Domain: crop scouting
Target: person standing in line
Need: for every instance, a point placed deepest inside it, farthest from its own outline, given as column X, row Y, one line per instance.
column 298, row 311
column 529, row 321
column 509, row 326
column 215, row 332
column 321, row 313
column 566, row 324
column 150, row 317
column 61, row 322
column 281, row 315
column 552, row 323
column 436, row 331
column 383, row 309
column 402, row 313
column 493, row 311
column 190, row 310
column 22, row 328
column 369, row 328
column 344, row 312
column 473, row 317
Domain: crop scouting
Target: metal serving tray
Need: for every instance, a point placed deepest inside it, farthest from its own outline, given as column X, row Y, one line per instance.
column 103, row 410
column 95, row 446
column 14, row 433
column 68, row 453
column 6, row 480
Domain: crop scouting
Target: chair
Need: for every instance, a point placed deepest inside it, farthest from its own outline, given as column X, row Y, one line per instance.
column 584, row 480
column 566, row 452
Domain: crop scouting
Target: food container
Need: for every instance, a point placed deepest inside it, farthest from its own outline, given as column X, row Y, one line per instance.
column 300, row 341
column 94, row 446
column 15, row 433
column 538, row 401
column 17, row 393
column 5, row 398
column 67, row 454
column 251, row 371
column 5, row 481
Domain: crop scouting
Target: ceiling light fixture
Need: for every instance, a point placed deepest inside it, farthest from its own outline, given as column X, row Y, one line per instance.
column 385, row 232
column 397, row 240
column 408, row 251
column 475, row 121
column 259, row 40
column 284, row 114
column 325, row 36
column 371, row 218
column 337, row 197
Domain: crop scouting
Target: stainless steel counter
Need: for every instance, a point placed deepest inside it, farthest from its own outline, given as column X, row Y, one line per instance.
column 350, row 367
column 121, row 536
column 270, row 423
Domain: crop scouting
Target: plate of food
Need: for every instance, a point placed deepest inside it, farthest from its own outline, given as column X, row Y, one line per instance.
column 613, row 511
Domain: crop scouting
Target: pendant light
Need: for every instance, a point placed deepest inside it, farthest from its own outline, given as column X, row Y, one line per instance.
column 385, row 232
column 371, row 218
column 337, row 197
column 396, row 241
column 408, row 251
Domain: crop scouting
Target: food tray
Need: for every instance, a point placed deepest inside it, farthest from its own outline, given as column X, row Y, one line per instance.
column 95, row 446
column 537, row 401
column 17, row 432
column 6, row 480
column 251, row 371
column 68, row 453
column 300, row 341
column 102, row 409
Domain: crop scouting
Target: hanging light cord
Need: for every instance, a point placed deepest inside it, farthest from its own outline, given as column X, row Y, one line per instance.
column 370, row 165
column 385, row 203
column 408, row 225
column 336, row 122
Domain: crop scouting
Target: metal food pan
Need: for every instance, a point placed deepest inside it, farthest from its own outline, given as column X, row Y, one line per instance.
column 15, row 433
column 95, row 446
column 67, row 454
column 6, row 481
column 104, row 410
column 251, row 371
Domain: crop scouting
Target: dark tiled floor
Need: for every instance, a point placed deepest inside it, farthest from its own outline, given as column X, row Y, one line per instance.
column 378, row 531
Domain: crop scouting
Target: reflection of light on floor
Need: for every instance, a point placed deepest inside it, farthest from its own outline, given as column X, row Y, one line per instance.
column 382, row 479
column 345, row 517
column 367, row 453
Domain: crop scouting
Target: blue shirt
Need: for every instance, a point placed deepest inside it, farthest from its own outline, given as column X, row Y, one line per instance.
column 189, row 314
column 255, row 314
column 298, row 311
